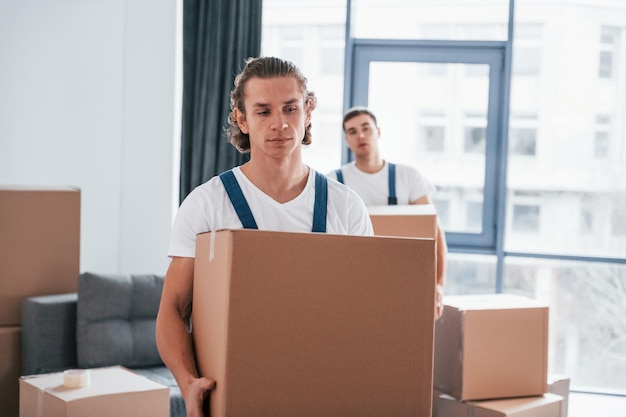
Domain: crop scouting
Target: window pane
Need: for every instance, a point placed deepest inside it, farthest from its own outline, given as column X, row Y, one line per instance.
column 316, row 45
column 447, row 135
column 430, row 19
column 572, row 124
column 470, row 274
column 587, row 317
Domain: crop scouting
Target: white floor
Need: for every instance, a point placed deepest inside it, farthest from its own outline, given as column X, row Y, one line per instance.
column 590, row 405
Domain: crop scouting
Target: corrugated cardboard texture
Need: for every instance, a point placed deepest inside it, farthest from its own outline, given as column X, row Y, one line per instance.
column 417, row 220
column 10, row 370
column 301, row 324
column 491, row 346
column 39, row 246
column 113, row 391
column 547, row 405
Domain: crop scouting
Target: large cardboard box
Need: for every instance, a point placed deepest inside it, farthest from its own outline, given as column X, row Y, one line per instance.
column 491, row 346
column 39, row 246
column 10, row 370
column 309, row 324
column 547, row 405
column 417, row 220
column 113, row 391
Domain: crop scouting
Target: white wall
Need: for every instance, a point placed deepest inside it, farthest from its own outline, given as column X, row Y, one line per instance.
column 87, row 98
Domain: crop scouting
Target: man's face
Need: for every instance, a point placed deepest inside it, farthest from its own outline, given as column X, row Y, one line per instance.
column 275, row 117
column 362, row 135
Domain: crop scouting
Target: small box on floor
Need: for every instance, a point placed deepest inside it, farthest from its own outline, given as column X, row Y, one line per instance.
column 112, row 391
column 491, row 346
column 547, row 405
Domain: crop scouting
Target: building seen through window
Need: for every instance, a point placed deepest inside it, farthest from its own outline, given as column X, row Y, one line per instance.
column 563, row 210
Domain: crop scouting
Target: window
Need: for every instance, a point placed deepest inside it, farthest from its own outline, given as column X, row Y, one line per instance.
column 474, row 215
column 608, row 48
column 525, row 218
column 527, row 50
column 587, row 216
column 432, row 132
column 523, row 141
column 475, row 135
column 560, row 212
column 332, row 49
column 587, row 311
column 618, row 217
column 317, row 46
column 602, row 138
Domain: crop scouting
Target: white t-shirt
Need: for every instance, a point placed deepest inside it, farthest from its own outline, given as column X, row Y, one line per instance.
column 208, row 208
column 374, row 188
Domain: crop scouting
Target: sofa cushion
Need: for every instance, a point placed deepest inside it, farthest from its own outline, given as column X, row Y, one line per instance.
column 48, row 333
column 115, row 320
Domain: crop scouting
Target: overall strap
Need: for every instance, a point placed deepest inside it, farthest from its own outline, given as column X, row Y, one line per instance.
column 238, row 200
column 321, row 199
column 339, row 175
column 392, row 200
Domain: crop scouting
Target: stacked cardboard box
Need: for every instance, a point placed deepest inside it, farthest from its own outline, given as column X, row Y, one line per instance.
column 308, row 324
column 39, row 254
column 491, row 358
column 418, row 220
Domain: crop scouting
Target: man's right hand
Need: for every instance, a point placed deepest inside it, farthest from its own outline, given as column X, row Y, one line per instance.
column 195, row 395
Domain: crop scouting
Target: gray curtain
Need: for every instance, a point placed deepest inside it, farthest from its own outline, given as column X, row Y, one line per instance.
column 218, row 35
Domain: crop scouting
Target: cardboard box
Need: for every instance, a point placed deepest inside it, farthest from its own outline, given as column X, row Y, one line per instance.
column 39, row 246
column 547, row 405
column 417, row 220
column 559, row 384
column 491, row 346
column 309, row 324
column 10, row 370
column 113, row 391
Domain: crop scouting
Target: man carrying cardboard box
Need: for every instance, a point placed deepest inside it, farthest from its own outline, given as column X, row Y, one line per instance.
column 379, row 182
column 275, row 190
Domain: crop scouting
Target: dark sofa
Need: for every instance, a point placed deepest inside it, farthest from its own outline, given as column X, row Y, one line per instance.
column 109, row 321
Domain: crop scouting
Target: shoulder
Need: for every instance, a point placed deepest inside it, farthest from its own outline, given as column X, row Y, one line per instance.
column 344, row 168
column 205, row 193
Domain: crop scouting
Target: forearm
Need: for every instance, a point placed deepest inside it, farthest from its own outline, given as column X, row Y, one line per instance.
column 175, row 345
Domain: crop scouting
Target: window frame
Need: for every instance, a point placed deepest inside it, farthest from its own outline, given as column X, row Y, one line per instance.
column 490, row 53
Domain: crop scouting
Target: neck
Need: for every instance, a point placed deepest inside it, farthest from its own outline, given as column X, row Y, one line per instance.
column 371, row 163
column 281, row 180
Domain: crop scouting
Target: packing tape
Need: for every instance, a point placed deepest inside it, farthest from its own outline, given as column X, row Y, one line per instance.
column 76, row 378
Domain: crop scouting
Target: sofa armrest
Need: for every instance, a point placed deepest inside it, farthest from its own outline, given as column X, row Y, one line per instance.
column 49, row 333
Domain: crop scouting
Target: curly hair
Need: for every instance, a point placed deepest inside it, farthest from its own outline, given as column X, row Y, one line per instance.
column 264, row 67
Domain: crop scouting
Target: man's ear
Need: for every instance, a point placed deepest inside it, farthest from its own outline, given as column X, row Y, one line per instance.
column 240, row 117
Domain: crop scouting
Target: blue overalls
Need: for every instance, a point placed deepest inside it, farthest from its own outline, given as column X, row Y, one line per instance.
column 392, row 200
column 245, row 214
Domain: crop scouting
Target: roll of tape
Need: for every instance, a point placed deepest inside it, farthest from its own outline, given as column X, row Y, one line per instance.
column 76, row 378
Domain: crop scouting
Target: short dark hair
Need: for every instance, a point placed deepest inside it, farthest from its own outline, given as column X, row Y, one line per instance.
column 357, row 111
column 264, row 67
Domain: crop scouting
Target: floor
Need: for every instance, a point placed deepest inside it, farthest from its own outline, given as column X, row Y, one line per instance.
column 590, row 405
